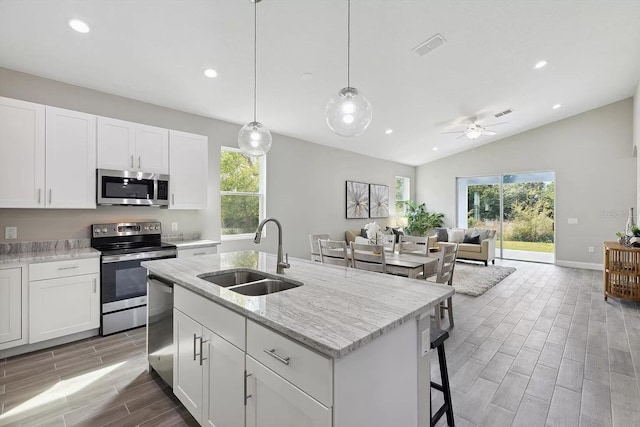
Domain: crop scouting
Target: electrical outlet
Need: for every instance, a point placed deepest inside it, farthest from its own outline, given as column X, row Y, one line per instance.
column 174, row 226
column 591, row 249
column 10, row 233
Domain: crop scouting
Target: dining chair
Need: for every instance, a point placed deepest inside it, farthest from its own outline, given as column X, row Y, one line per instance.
column 389, row 242
column 315, row 249
column 446, row 265
column 368, row 257
column 333, row 252
column 415, row 245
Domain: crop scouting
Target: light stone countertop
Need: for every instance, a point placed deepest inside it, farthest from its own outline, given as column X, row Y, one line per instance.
column 195, row 244
column 46, row 256
column 336, row 311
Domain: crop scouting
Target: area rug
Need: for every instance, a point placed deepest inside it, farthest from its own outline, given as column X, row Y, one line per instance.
column 476, row 279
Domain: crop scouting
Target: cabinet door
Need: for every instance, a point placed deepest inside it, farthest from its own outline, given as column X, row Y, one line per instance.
column 116, row 143
column 151, row 149
column 224, row 383
column 187, row 370
column 70, row 159
column 189, row 170
column 275, row 402
column 63, row 306
column 22, row 151
column 10, row 305
column 184, row 253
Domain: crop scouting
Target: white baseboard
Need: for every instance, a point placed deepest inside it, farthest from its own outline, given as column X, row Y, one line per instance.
column 583, row 265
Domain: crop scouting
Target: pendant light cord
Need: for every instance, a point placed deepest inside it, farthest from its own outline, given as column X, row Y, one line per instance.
column 348, row 43
column 255, row 58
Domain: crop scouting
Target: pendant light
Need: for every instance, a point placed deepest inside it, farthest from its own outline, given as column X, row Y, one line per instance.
column 349, row 113
column 254, row 138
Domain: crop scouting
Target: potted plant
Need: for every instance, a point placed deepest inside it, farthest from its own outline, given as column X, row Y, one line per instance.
column 419, row 220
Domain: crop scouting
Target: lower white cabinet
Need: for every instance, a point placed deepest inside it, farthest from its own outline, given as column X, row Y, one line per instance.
column 272, row 401
column 183, row 253
column 11, row 305
column 208, row 374
column 62, row 302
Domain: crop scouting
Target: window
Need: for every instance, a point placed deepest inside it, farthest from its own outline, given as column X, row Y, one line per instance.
column 403, row 194
column 242, row 193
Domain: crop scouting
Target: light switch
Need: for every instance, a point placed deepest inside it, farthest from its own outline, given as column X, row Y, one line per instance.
column 174, row 226
column 10, row 233
column 572, row 220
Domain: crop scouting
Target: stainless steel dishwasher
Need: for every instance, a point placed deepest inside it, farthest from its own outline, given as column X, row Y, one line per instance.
column 160, row 327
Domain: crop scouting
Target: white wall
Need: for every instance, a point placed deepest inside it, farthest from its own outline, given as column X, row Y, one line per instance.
column 636, row 142
column 305, row 181
column 595, row 176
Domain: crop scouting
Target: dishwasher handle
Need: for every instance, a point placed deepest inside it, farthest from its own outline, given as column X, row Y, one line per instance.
column 161, row 284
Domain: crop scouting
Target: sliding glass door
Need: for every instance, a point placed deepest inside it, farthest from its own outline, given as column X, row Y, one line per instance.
column 520, row 207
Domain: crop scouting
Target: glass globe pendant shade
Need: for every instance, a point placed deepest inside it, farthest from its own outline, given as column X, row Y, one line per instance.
column 349, row 113
column 254, row 139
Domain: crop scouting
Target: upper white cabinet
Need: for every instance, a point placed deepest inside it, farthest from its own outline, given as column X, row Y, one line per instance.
column 70, row 159
column 125, row 145
column 22, row 152
column 188, row 171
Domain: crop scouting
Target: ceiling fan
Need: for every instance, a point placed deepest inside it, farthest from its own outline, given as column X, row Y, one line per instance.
column 474, row 130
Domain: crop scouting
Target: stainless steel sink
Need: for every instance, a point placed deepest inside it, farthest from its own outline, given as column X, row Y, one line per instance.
column 249, row 282
column 232, row 278
column 264, row 287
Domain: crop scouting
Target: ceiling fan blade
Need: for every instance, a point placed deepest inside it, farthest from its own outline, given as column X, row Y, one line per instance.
column 488, row 132
column 496, row 124
column 464, row 134
column 454, row 131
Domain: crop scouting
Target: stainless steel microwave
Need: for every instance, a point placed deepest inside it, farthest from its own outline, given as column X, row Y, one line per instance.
column 132, row 188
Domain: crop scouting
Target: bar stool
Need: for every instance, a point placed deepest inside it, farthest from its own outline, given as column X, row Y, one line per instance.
column 438, row 336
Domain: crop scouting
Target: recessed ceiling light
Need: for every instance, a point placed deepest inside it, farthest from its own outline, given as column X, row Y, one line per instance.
column 211, row 73
column 540, row 64
column 435, row 148
column 388, row 131
column 556, row 106
column 79, row 26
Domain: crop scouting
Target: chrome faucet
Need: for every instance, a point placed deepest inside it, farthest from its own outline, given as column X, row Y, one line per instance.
column 281, row 264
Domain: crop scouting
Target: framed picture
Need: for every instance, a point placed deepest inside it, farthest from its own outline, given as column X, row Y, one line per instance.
column 357, row 200
column 378, row 201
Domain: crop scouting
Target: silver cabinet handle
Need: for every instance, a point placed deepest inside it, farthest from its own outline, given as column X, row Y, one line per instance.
column 275, row 355
column 39, row 194
column 173, row 198
column 139, row 162
column 202, row 341
column 246, row 396
column 132, row 161
column 194, row 346
column 199, row 253
column 68, row 268
column 50, row 191
column 95, row 286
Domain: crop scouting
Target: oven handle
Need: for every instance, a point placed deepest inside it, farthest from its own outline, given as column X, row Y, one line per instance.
column 106, row 259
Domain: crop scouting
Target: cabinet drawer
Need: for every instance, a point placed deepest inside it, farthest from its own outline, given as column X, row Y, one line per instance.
column 182, row 253
column 298, row 364
column 216, row 318
column 71, row 267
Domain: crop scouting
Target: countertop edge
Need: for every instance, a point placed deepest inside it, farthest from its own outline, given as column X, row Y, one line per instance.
column 48, row 256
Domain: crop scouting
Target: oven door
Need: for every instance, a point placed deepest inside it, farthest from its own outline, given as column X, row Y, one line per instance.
column 124, row 281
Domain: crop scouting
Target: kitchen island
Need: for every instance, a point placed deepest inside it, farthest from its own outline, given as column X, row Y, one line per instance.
column 346, row 348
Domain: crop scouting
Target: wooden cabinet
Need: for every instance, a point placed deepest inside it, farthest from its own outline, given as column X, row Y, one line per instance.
column 189, row 170
column 22, row 154
column 11, row 307
column 125, row 145
column 273, row 402
column 64, row 298
column 208, row 374
column 621, row 271
column 70, row 159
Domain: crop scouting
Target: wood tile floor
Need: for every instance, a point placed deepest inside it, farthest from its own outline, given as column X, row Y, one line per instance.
column 540, row 348
column 100, row 381
column 543, row 348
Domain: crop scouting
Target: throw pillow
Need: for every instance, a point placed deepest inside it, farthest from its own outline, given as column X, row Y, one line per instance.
column 473, row 240
column 484, row 234
column 363, row 233
column 456, row 235
column 442, row 235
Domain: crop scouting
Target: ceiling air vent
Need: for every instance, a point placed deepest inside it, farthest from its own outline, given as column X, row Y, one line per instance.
column 503, row 113
column 429, row 45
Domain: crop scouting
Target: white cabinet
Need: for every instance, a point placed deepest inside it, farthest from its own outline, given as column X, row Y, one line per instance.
column 125, row 145
column 64, row 298
column 11, row 319
column 207, row 250
column 189, row 170
column 22, row 154
column 70, row 159
column 50, row 165
column 274, row 402
column 208, row 374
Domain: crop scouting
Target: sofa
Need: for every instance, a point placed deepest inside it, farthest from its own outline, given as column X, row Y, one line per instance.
column 473, row 243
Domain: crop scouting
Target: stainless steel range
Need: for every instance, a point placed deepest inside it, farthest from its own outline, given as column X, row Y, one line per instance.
column 124, row 282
